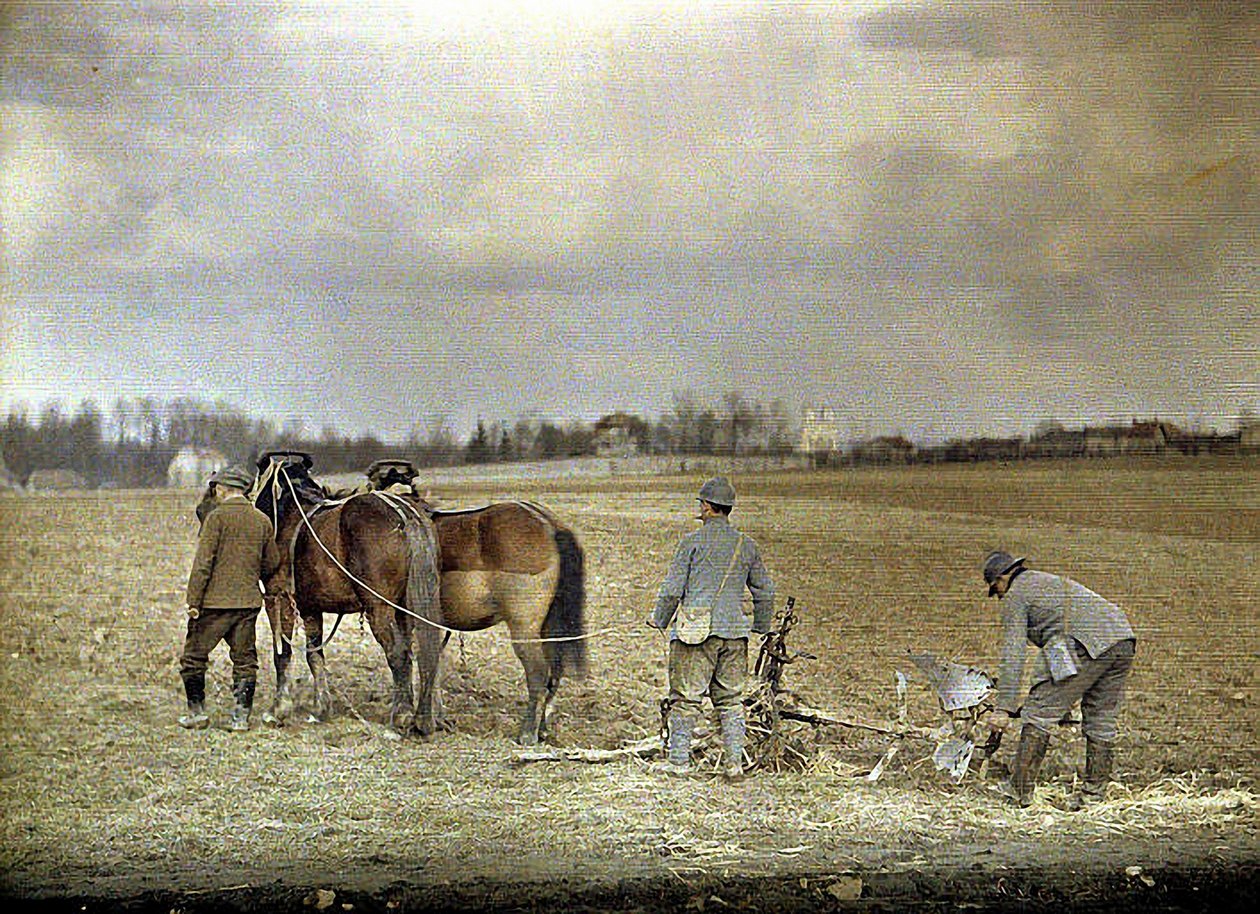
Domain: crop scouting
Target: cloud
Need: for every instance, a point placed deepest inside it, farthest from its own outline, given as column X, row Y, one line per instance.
column 509, row 207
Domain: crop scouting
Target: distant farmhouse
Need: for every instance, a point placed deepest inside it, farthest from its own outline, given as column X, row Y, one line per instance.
column 619, row 435
column 192, row 467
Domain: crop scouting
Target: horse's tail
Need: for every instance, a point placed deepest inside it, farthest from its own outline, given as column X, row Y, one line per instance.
column 566, row 617
column 423, row 594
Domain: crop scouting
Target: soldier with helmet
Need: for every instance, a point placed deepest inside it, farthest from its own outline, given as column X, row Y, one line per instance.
column 1087, row 648
column 700, row 602
column 235, row 551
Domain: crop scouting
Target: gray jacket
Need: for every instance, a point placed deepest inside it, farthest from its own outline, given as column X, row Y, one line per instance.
column 711, row 568
column 1041, row 607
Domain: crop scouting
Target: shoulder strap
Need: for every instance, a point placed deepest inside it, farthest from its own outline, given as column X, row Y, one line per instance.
column 739, row 547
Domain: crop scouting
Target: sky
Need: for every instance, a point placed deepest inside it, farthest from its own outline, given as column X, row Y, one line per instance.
column 942, row 219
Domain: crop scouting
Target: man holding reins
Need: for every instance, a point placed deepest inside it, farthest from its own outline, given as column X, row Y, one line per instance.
column 235, row 551
column 708, row 641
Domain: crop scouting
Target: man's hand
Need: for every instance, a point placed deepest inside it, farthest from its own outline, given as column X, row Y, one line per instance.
column 193, row 612
column 999, row 721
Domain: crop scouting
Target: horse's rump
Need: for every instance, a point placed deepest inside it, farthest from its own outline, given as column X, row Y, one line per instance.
column 515, row 562
column 504, row 537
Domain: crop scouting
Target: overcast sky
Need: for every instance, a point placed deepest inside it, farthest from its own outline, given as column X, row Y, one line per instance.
column 941, row 219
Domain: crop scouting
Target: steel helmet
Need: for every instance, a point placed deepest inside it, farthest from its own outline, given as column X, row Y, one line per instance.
column 998, row 563
column 717, row 491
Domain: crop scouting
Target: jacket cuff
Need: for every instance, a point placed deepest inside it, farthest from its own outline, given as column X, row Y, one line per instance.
column 665, row 607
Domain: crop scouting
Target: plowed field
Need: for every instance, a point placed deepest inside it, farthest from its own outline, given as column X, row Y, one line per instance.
column 106, row 804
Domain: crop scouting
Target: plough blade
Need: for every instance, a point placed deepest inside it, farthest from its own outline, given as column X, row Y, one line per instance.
column 959, row 687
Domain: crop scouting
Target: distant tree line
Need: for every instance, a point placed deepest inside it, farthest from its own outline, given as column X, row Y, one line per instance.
column 132, row 445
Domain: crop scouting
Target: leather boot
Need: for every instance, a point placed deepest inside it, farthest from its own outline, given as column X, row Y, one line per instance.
column 678, row 757
column 1028, row 756
column 1099, row 757
column 733, row 735
column 243, row 690
column 195, row 690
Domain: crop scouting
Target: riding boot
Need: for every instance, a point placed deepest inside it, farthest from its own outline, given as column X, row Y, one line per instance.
column 678, row 757
column 195, row 690
column 733, row 734
column 1099, row 757
column 1028, row 756
column 243, row 690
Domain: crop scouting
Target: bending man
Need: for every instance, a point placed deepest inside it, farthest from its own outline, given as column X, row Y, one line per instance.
column 1087, row 649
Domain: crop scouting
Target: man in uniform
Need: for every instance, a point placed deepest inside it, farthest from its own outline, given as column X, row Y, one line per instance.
column 708, row 640
column 235, row 550
column 1087, row 648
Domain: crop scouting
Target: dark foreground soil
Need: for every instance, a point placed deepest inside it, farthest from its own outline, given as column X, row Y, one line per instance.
column 1176, row 888
column 1207, row 877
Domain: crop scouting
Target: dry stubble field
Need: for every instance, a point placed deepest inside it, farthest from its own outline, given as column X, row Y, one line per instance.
column 106, row 804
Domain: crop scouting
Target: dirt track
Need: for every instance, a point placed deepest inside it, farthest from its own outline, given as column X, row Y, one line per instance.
column 106, row 804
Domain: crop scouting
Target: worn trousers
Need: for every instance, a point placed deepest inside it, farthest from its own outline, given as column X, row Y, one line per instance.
column 1098, row 685
column 716, row 665
column 236, row 627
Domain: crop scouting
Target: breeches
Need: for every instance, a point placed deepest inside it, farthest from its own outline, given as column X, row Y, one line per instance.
column 236, row 627
column 716, row 665
column 1098, row 685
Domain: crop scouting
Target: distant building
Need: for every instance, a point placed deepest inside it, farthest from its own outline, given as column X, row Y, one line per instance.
column 894, row 449
column 1249, row 434
column 821, row 433
column 54, row 481
column 1053, row 440
column 618, row 435
column 615, row 442
column 192, row 467
column 1148, row 437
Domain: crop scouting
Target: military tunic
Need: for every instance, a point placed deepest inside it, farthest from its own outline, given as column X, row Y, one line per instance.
column 710, row 570
column 236, row 549
column 702, row 595
column 1057, row 615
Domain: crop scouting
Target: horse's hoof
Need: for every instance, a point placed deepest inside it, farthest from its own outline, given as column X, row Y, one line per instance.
column 271, row 720
column 314, row 719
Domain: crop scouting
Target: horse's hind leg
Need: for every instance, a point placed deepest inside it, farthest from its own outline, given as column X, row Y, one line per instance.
column 280, row 612
column 429, row 644
column 393, row 632
column 538, row 687
column 314, row 625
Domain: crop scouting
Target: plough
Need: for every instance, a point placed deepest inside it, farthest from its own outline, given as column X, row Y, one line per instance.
column 964, row 694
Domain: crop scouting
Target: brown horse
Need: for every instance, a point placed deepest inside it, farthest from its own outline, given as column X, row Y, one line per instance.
column 368, row 554
column 514, row 562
